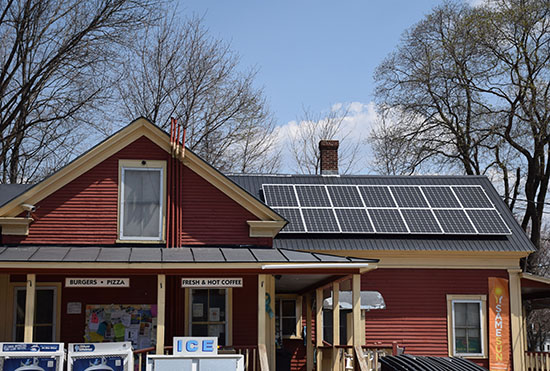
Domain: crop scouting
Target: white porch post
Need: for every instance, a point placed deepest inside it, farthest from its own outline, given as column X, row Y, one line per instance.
column 358, row 332
column 261, row 309
column 309, row 334
column 29, row 307
column 161, row 315
column 516, row 320
column 335, row 324
column 319, row 326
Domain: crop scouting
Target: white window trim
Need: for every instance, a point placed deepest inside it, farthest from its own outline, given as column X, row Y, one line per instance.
column 482, row 301
column 228, row 312
column 16, row 289
column 297, row 311
column 141, row 165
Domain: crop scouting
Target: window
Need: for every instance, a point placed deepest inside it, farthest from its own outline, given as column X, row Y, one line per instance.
column 44, row 317
column 467, row 316
column 327, row 326
column 208, row 313
column 141, row 200
column 288, row 317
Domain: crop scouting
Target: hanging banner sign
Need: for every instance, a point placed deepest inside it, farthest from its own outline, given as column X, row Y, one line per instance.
column 499, row 325
column 211, row 282
column 97, row 282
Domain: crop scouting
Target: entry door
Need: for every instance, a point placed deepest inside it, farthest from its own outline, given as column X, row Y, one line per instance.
column 44, row 315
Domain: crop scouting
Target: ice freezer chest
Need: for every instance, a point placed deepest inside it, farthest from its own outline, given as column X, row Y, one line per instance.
column 223, row 362
column 100, row 357
column 31, row 356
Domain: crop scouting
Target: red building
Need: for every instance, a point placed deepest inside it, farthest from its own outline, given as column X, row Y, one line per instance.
column 140, row 240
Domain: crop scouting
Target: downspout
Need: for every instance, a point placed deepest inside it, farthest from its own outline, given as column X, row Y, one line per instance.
column 180, row 189
column 169, row 186
column 177, row 205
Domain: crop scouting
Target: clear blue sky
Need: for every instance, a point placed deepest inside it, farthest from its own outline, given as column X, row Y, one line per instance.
column 311, row 53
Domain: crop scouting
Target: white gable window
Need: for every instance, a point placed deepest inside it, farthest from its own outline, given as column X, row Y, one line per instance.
column 141, row 208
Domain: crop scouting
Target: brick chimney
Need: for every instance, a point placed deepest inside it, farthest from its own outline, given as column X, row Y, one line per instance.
column 329, row 157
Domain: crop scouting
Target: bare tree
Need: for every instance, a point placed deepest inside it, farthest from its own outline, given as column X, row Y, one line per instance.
column 471, row 86
column 537, row 311
column 314, row 127
column 178, row 70
column 54, row 72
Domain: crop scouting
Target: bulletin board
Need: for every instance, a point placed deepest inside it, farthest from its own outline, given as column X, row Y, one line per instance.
column 121, row 322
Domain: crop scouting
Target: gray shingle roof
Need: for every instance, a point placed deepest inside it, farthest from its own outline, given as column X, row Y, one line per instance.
column 517, row 241
column 10, row 191
column 164, row 255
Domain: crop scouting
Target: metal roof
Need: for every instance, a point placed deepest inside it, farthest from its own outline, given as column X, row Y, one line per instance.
column 164, row 255
column 406, row 362
column 517, row 241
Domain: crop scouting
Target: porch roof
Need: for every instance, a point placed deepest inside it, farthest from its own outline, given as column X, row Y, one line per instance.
column 537, row 289
column 72, row 254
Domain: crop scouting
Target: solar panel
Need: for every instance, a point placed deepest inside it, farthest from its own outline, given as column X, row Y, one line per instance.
column 376, row 196
column 441, row 197
column 408, row 196
column 387, row 221
column 347, row 208
column 312, row 196
column 354, row 220
column 488, row 222
column 421, row 221
column 345, row 196
column 279, row 195
column 473, row 197
column 454, row 221
column 295, row 223
column 320, row 220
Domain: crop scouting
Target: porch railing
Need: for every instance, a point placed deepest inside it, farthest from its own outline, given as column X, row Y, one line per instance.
column 364, row 358
column 537, row 361
column 250, row 353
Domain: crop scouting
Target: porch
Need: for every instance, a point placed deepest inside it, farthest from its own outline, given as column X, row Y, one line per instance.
column 535, row 294
column 156, row 281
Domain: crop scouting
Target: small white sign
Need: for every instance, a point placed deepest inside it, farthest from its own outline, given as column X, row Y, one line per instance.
column 97, row 282
column 211, row 282
column 198, row 310
column 74, row 307
column 191, row 345
column 214, row 315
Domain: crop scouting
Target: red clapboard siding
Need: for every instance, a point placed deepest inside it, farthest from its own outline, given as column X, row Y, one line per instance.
column 84, row 211
column 245, row 312
column 297, row 351
column 210, row 217
column 416, row 305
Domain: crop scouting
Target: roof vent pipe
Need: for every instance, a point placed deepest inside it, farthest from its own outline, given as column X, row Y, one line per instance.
column 329, row 157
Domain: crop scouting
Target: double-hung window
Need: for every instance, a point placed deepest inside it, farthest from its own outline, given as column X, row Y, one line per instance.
column 288, row 317
column 141, row 207
column 208, row 313
column 45, row 316
column 467, row 317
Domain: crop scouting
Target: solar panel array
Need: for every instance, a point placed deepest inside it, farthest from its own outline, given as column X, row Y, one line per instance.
column 314, row 208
